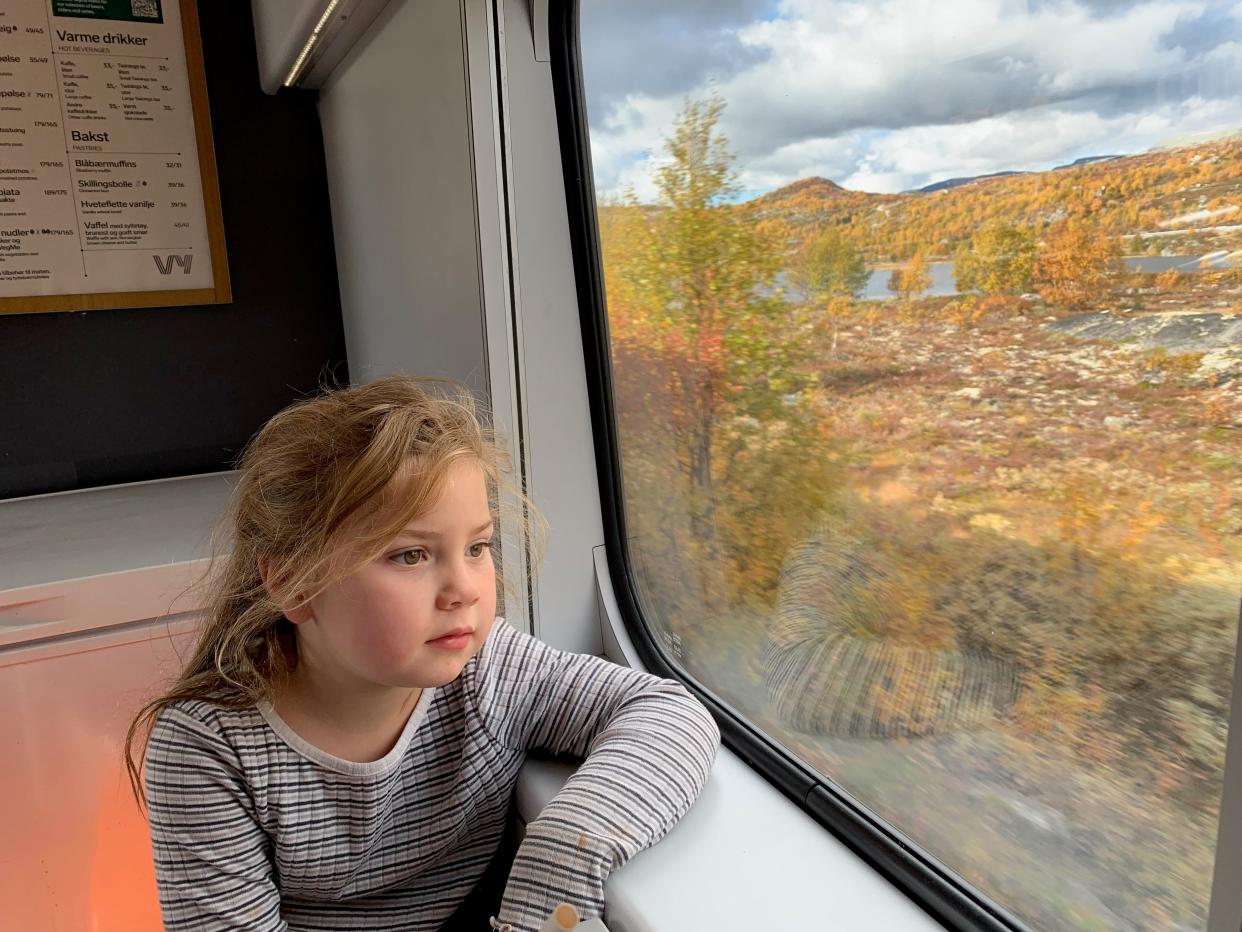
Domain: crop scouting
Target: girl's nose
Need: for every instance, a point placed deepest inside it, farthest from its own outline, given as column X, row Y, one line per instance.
column 458, row 587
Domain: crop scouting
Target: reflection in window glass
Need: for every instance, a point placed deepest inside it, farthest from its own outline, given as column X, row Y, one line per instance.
column 928, row 372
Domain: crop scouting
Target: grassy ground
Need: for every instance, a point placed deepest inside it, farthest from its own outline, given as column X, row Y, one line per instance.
column 1097, row 484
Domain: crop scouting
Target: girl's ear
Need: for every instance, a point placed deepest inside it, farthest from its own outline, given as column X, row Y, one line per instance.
column 296, row 613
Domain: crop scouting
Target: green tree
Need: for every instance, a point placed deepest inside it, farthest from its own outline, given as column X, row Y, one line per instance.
column 710, row 369
column 998, row 260
column 828, row 266
column 704, row 285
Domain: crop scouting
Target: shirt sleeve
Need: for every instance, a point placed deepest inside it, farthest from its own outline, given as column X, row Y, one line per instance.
column 212, row 861
column 649, row 746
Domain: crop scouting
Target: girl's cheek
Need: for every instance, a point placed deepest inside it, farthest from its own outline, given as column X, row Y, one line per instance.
column 382, row 637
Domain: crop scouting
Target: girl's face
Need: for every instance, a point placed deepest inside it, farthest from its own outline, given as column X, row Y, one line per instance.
column 413, row 616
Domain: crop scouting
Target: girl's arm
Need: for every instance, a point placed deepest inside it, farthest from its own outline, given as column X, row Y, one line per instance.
column 649, row 746
column 211, row 856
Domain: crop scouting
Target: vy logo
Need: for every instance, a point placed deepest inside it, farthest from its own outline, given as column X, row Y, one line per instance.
column 164, row 264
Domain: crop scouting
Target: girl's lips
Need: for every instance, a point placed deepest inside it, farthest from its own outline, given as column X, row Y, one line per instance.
column 454, row 641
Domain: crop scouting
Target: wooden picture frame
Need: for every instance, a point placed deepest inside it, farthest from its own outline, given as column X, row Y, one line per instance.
column 221, row 290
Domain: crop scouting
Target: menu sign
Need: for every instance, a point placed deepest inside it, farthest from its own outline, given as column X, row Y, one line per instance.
column 108, row 194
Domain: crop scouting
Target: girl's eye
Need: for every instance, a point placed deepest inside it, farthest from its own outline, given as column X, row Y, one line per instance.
column 478, row 548
column 410, row 557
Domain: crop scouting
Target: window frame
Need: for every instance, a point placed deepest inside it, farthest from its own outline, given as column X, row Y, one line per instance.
column 948, row 898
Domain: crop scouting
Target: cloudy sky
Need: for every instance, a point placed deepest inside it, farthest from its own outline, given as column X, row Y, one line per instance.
column 891, row 95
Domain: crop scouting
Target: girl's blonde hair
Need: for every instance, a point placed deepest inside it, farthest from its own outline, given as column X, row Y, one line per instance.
column 311, row 506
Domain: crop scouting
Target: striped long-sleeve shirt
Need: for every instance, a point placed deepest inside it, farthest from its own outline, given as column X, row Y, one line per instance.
column 254, row 828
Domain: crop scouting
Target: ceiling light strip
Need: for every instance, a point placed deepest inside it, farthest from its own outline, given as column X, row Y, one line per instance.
column 312, row 42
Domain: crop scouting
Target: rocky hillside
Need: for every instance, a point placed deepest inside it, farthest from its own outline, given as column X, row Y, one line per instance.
column 1184, row 200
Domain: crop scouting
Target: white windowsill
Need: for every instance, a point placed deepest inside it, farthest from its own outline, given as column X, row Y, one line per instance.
column 745, row 859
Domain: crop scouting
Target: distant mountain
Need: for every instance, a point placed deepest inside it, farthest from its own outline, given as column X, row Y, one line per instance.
column 815, row 202
column 1121, row 196
column 814, row 187
column 1087, row 160
column 957, row 182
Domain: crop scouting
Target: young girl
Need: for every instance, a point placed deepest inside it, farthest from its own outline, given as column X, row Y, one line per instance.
column 341, row 750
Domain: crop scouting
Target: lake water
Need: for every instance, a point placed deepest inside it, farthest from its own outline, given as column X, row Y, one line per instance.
column 942, row 284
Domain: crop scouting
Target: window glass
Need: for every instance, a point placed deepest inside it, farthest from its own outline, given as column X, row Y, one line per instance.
column 925, row 324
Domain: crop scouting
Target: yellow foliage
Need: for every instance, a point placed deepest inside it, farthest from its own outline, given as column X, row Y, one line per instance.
column 1117, row 197
column 1160, row 360
column 1217, row 413
column 913, row 278
column 1170, row 280
column 1074, row 265
column 965, row 312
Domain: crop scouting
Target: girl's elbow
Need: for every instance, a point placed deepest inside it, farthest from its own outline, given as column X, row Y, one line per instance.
column 696, row 717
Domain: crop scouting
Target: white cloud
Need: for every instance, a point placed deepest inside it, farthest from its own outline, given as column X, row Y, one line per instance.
column 893, row 94
column 897, row 63
column 1031, row 141
column 629, row 141
column 828, row 158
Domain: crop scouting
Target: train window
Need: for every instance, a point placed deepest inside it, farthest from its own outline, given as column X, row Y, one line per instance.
column 925, row 365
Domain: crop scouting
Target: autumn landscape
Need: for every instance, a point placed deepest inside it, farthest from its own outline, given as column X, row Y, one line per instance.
column 942, row 490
